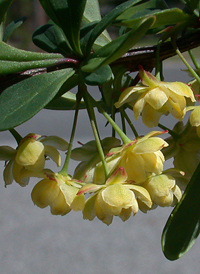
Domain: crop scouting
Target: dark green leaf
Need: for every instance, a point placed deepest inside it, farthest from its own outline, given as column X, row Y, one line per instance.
column 51, row 39
column 92, row 14
column 118, row 47
column 107, row 20
column 12, row 27
column 67, row 14
column 7, row 67
column 183, row 225
column 14, row 60
column 163, row 18
column 4, row 5
column 133, row 11
column 9, row 53
column 23, row 100
column 98, row 77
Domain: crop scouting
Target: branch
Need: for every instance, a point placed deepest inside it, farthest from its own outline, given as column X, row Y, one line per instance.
column 144, row 56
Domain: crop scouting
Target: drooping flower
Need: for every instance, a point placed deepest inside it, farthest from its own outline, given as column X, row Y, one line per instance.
column 184, row 147
column 140, row 158
column 195, row 119
column 152, row 98
column 59, row 192
column 28, row 159
column 89, row 156
column 163, row 189
column 116, row 197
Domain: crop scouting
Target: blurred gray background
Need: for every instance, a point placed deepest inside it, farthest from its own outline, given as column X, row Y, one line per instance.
column 33, row 241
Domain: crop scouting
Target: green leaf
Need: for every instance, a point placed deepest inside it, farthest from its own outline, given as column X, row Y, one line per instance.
column 12, row 27
column 118, row 47
column 7, row 67
column 9, row 53
column 98, row 77
column 14, row 60
column 183, row 225
column 92, row 14
column 51, row 39
column 163, row 18
column 23, row 100
column 194, row 6
column 134, row 11
column 107, row 20
column 4, row 5
column 67, row 14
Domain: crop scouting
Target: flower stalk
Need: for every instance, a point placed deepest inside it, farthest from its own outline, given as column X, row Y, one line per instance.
column 64, row 170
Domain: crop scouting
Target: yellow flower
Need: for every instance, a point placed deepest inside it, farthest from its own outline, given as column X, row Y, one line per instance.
column 58, row 192
column 116, row 197
column 152, row 98
column 184, row 147
column 195, row 119
column 28, row 160
column 140, row 159
column 163, row 190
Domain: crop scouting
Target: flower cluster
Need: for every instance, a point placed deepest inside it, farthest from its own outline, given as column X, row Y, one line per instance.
column 153, row 98
column 28, row 159
column 118, row 180
column 135, row 181
column 59, row 192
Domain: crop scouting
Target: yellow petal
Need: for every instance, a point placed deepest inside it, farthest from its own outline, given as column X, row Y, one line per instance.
column 175, row 109
column 180, row 89
column 69, row 192
column 29, row 152
column 8, row 174
column 150, row 116
column 134, row 166
column 156, row 98
column 53, row 154
column 150, row 145
column 141, row 194
column 45, row 192
column 117, row 196
column 100, row 213
column 160, row 189
column 129, row 95
column 89, row 211
column 125, row 214
column 7, row 153
column 148, row 78
column 59, row 205
column 78, row 203
column 138, row 106
column 195, row 117
column 55, row 141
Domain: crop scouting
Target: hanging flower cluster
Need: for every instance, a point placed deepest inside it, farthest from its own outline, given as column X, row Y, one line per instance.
column 114, row 179
column 153, row 98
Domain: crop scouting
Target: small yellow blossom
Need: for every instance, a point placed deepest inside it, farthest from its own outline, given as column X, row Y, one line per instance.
column 195, row 119
column 184, row 147
column 58, row 192
column 140, row 159
column 28, row 160
column 152, row 98
column 163, row 190
column 116, row 197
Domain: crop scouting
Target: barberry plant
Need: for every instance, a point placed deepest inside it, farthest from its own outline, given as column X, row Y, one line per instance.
column 116, row 176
